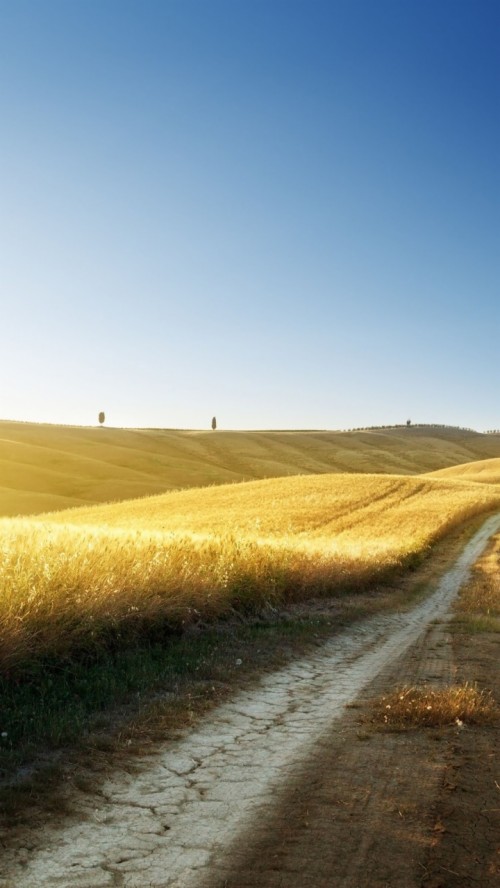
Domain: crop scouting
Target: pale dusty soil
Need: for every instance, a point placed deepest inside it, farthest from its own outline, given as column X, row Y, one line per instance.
column 284, row 786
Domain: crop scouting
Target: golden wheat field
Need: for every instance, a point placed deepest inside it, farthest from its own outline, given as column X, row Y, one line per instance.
column 78, row 578
column 45, row 467
column 485, row 471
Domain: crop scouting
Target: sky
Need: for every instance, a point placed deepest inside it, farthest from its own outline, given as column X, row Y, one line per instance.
column 285, row 213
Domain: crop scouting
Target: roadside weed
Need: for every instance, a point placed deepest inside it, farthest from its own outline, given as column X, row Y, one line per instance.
column 416, row 707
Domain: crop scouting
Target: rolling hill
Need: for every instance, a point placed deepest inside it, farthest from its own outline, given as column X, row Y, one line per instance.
column 484, row 471
column 50, row 467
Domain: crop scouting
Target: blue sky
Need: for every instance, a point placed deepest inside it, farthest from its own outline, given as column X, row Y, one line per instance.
column 282, row 212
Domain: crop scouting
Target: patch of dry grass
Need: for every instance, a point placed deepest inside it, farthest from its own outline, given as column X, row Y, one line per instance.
column 416, row 707
column 478, row 606
column 115, row 572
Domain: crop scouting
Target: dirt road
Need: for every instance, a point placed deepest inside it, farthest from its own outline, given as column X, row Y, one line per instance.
column 277, row 786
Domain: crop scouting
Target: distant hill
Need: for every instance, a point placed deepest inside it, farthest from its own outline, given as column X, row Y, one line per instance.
column 48, row 467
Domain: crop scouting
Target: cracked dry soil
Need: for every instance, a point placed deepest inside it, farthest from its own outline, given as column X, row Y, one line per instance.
column 284, row 786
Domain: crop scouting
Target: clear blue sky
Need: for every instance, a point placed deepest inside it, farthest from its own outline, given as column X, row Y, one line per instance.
column 282, row 212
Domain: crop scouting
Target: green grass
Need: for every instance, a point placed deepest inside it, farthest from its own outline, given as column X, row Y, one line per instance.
column 474, row 624
column 52, row 704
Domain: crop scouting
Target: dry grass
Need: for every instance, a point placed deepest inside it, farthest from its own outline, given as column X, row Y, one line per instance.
column 478, row 606
column 116, row 572
column 416, row 707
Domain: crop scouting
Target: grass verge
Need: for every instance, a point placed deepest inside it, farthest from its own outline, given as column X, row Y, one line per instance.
column 59, row 703
column 478, row 607
column 417, row 707
column 68, row 724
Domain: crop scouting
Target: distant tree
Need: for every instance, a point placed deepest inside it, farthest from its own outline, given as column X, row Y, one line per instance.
column 408, row 422
column 214, row 423
column 101, row 417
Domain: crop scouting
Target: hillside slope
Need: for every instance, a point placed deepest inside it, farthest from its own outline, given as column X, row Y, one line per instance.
column 485, row 471
column 313, row 511
column 79, row 578
column 45, row 467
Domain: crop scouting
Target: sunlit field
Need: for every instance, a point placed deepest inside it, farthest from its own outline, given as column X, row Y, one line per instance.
column 44, row 467
column 97, row 577
column 485, row 471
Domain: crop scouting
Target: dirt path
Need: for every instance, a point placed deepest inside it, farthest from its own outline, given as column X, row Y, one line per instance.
column 356, row 813
column 276, row 787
